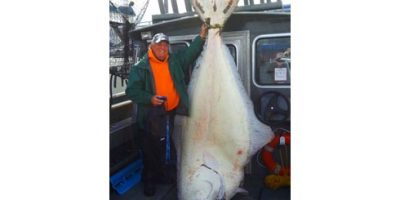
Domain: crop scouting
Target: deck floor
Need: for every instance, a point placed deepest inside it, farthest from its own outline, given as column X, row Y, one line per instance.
column 254, row 186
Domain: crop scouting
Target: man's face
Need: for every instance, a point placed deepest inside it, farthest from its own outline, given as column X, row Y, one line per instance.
column 160, row 50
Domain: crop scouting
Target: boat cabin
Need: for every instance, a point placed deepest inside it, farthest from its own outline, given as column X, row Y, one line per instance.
column 258, row 37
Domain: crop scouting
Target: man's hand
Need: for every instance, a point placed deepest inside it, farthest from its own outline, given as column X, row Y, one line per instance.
column 203, row 31
column 156, row 100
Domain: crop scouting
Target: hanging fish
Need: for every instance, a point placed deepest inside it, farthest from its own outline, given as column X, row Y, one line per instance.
column 222, row 133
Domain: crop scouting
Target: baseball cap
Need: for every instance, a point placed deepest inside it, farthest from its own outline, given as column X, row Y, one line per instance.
column 157, row 38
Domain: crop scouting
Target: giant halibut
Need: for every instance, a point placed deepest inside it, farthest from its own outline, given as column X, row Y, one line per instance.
column 222, row 133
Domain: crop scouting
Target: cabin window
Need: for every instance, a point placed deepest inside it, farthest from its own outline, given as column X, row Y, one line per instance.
column 175, row 47
column 232, row 50
column 272, row 60
column 178, row 46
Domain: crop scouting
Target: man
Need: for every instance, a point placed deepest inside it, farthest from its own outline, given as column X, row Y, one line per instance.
column 157, row 85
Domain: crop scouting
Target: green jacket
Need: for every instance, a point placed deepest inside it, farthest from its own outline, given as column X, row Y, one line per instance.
column 141, row 86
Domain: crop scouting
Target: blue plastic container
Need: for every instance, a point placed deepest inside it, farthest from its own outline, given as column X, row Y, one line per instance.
column 127, row 177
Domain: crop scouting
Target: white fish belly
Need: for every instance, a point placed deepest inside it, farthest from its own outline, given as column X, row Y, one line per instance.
column 222, row 133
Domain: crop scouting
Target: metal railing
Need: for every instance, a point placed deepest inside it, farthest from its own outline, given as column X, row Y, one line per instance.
column 248, row 5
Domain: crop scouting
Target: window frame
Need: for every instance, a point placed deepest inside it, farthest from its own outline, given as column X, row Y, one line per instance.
column 253, row 59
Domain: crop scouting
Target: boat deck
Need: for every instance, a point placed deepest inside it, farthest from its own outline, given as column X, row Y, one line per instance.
column 254, row 185
column 253, row 182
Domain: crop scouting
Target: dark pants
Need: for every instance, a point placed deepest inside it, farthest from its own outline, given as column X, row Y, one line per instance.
column 153, row 143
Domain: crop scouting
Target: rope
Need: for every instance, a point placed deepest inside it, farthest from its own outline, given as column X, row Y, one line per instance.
column 167, row 143
column 214, row 26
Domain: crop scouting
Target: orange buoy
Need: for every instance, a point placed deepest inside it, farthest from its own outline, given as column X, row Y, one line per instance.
column 269, row 162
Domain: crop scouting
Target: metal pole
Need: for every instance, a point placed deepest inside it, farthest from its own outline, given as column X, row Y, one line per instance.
column 174, row 6
column 166, row 6
column 188, row 6
column 161, row 5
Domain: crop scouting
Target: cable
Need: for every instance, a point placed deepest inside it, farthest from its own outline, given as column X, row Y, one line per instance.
column 258, row 159
column 275, row 130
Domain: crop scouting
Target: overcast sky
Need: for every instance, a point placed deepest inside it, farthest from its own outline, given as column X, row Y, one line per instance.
column 153, row 7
